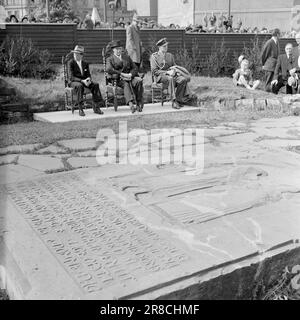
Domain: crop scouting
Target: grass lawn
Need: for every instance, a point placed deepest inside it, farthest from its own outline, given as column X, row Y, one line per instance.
column 35, row 91
column 48, row 133
column 45, row 91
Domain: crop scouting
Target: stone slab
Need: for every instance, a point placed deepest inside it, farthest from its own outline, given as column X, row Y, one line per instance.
column 78, row 144
column 123, row 112
column 52, row 149
column 83, row 162
column 89, row 153
column 41, row 163
column 12, row 173
column 142, row 231
column 20, row 148
column 8, row 159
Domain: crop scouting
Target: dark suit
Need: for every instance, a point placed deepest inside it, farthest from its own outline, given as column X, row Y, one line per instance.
column 75, row 76
column 269, row 56
column 116, row 66
column 283, row 66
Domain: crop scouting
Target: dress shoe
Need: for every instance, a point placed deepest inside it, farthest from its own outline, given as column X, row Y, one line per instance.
column 140, row 105
column 176, row 105
column 81, row 112
column 97, row 110
column 132, row 107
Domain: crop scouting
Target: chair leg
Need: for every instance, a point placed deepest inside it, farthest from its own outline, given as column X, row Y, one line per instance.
column 162, row 97
column 115, row 98
column 72, row 102
column 152, row 91
column 106, row 97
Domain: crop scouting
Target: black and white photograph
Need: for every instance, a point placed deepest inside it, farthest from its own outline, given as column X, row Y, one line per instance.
column 149, row 153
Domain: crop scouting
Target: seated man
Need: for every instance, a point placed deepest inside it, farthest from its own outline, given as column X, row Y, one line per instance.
column 120, row 67
column 162, row 71
column 286, row 70
column 80, row 78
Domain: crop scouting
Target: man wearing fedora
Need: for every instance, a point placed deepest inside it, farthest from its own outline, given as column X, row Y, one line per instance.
column 120, row 67
column 133, row 41
column 80, row 78
column 162, row 71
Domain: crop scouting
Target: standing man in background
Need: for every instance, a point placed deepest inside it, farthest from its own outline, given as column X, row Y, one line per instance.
column 133, row 42
column 269, row 56
column 297, row 49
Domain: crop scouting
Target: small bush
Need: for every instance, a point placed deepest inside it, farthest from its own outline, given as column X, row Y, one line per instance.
column 19, row 57
column 220, row 62
column 253, row 54
column 190, row 61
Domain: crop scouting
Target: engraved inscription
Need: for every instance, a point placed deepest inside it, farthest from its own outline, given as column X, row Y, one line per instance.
column 98, row 242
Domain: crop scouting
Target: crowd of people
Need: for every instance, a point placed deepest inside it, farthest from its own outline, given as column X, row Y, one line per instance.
column 211, row 24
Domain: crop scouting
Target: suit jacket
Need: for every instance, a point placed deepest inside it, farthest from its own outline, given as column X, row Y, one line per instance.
column 296, row 52
column 74, row 72
column 283, row 66
column 269, row 55
column 160, row 64
column 133, row 43
column 115, row 66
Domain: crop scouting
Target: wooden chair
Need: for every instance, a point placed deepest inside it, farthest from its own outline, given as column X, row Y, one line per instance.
column 112, row 91
column 159, row 94
column 69, row 91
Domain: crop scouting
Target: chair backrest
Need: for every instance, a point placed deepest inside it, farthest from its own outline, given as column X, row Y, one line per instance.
column 104, row 56
column 65, row 60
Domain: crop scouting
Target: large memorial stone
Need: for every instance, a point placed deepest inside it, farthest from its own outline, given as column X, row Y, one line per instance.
column 98, row 243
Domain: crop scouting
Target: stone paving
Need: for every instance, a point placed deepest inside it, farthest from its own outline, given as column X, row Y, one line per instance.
column 132, row 230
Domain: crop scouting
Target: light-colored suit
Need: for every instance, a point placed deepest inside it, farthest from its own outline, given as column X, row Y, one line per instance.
column 160, row 64
column 133, row 43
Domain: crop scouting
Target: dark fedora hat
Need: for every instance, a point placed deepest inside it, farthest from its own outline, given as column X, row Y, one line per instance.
column 162, row 42
column 115, row 44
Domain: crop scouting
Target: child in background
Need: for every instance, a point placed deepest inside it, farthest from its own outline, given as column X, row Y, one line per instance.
column 243, row 77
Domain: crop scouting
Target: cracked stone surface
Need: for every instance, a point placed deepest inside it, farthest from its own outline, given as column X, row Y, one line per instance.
column 8, row 159
column 78, row 144
column 41, row 163
column 14, row 173
column 128, row 230
column 82, row 162
column 52, row 149
column 19, row 149
column 89, row 153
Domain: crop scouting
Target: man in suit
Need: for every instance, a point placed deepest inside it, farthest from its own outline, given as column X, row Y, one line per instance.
column 296, row 51
column 269, row 55
column 286, row 70
column 121, row 68
column 133, row 41
column 80, row 78
column 162, row 71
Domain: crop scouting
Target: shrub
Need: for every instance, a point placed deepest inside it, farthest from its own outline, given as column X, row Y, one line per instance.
column 220, row 62
column 190, row 61
column 253, row 54
column 19, row 57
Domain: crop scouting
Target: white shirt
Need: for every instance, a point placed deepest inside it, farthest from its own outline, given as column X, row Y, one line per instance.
column 119, row 57
column 79, row 63
column 274, row 39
